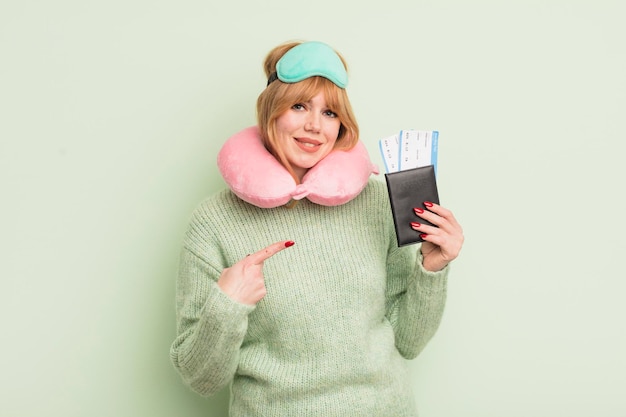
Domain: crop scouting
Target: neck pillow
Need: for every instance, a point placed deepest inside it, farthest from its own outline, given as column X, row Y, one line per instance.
column 255, row 176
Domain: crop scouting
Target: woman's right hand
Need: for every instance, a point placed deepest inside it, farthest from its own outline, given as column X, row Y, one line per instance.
column 244, row 282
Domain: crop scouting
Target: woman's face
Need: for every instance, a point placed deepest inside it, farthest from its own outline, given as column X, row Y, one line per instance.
column 307, row 132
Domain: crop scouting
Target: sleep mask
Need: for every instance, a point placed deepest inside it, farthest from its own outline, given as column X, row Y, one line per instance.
column 307, row 60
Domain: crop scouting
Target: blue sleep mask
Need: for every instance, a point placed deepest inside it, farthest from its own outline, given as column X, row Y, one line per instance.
column 307, row 60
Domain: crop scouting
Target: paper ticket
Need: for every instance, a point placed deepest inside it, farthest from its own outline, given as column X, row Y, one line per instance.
column 410, row 149
column 418, row 148
column 390, row 151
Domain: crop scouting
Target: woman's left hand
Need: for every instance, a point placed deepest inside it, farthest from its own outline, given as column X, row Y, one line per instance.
column 443, row 243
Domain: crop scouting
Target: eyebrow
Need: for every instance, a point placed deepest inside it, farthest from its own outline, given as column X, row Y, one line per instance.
column 308, row 103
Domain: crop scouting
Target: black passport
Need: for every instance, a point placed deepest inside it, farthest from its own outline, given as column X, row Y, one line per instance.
column 407, row 190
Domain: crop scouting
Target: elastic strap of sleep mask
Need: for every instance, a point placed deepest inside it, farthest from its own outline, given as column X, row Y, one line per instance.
column 307, row 60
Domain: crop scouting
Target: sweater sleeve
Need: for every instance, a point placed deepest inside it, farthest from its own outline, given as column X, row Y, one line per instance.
column 210, row 327
column 415, row 300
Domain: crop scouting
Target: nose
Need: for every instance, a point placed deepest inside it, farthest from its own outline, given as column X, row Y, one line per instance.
column 313, row 122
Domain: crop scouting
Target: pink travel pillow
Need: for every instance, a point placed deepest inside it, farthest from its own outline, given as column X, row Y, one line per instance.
column 255, row 176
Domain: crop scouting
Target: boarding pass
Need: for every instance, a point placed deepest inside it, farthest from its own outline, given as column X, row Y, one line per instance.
column 409, row 149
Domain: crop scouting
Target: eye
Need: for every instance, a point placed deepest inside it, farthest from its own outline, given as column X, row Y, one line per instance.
column 330, row 113
column 298, row 106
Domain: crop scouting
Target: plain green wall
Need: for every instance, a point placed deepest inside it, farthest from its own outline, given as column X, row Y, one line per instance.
column 111, row 116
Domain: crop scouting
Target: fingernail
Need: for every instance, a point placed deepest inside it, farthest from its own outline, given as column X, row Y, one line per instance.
column 428, row 204
column 289, row 243
column 418, row 210
column 423, row 235
column 415, row 224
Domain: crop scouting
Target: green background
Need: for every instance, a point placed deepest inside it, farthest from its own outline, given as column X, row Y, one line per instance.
column 111, row 115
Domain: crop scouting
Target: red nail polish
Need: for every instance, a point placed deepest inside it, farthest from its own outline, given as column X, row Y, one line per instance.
column 423, row 235
column 289, row 243
column 428, row 204
column 415, row 224
column 418, row 210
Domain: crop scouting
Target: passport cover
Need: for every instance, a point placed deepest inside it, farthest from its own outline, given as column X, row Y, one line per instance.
column 407, row 190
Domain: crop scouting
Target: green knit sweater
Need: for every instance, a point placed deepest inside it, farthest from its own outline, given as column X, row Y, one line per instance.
column 344, row 308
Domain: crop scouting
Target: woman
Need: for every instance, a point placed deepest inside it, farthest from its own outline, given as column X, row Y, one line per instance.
column 322, row 328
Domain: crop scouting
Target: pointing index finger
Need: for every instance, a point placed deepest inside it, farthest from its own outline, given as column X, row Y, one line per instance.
column 261, row 256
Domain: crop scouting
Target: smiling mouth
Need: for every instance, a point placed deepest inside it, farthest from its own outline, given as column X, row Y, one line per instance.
column 307, row 143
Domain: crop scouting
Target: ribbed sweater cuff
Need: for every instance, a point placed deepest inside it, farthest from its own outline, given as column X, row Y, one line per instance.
column 225, row 311
column 223, row 321
column 432, row 281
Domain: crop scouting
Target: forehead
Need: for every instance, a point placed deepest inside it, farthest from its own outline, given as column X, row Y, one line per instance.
column 318, row 99
column 316, row 89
